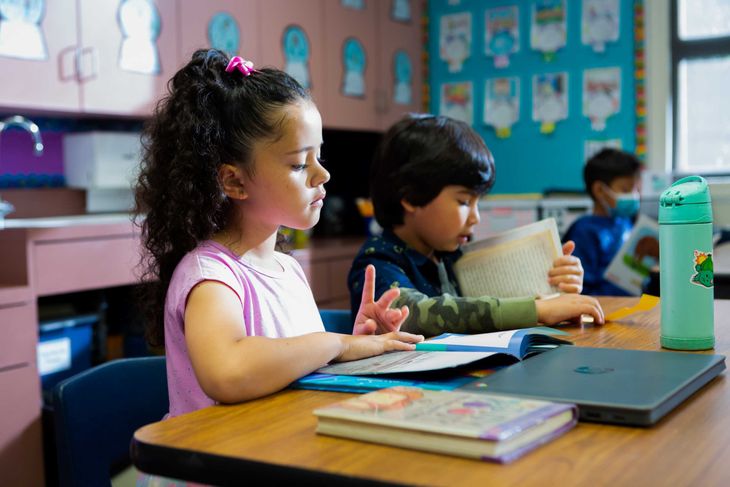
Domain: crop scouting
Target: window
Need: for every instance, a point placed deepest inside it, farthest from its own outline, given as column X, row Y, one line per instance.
column 701, row 86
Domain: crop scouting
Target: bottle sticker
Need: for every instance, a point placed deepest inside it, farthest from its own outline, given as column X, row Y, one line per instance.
column 704, row 269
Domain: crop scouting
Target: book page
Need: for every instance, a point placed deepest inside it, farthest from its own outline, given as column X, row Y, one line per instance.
column 398, row 362
column 632, row 264
column 511, row 264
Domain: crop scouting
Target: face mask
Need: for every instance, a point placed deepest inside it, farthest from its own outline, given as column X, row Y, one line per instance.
column 627, row 204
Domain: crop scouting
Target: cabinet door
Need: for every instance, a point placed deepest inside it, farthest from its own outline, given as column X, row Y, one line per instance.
column 37, row 56
column 128, row 52
column 400, row 77
column 351, row 59
column 228, row 25
column 292, row 40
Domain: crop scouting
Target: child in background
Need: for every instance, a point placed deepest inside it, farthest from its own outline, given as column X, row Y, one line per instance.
column 230, row 155
column 612, row 178
column 426, row 179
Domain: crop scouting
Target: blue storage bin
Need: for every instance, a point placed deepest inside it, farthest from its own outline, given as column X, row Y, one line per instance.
column 64, row 347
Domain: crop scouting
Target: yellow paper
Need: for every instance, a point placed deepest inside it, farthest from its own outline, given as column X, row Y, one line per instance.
column 646, row 303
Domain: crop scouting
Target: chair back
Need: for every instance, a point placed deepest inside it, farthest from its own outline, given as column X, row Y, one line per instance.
column 97, row 411
column 337, row 320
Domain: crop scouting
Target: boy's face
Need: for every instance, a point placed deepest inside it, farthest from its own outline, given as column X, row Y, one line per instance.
column 445, row 223
column 622, row 185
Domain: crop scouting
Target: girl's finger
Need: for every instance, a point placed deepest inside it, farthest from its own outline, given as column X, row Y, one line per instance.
column 368, row 288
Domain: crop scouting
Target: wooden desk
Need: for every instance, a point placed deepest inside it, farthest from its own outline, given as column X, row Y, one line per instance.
column 273, row 439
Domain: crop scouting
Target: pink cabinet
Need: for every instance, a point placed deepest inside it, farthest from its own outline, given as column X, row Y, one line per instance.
column 400, row 65
column 101, row 57
column 351, row 59
column 229, row 25
column 40, row 76
column 128, row 51
column 292, row 39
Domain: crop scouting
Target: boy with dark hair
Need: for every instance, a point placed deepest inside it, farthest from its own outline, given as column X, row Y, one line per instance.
column 426, row 179
column 613, row 180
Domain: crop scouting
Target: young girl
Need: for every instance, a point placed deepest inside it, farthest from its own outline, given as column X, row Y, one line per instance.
column 230, row 155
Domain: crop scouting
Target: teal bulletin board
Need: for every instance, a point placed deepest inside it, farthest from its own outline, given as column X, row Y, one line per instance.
column 528, row 160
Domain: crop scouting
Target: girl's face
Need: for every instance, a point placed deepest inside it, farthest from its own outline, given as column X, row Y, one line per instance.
column 287, row 184
column 446, row 222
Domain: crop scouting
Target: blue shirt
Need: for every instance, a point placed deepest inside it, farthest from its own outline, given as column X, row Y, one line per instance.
column 597, row 240
column 398, row 265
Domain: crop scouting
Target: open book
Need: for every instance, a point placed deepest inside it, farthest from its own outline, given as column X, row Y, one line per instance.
column 452, row 350
column 631, row 265
column 482, row 426
column 512, row 264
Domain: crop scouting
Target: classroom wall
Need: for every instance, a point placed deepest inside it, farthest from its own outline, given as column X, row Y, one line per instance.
column 529, row 161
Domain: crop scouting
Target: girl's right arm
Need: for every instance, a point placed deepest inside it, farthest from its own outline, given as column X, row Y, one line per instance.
column 233, row 367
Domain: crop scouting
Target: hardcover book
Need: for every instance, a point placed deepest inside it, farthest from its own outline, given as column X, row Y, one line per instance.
column 481, row 426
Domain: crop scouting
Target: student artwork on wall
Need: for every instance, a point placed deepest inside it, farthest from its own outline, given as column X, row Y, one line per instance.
column 295, row 46
column 601, row 95
column 354, row 63
column 140, row 23
column 223, row 33
column 20, row 29
column 594, row 146
column 548, row 27
column 455, row 40
column 549, row 100
column 502, row 34
column 600, row 23
column 353, row 4
column 457, row 101
column 502, row 104
column 400, row 10
column 402, row 78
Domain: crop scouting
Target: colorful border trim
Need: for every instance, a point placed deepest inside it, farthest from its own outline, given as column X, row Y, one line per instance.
column 640, row 79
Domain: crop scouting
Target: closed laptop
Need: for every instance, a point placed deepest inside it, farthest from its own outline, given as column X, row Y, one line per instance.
column 631, row 387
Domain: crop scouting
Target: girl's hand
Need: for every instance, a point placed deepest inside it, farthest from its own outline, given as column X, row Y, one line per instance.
column 567, row 271
column 376, row 317
column 357, row 347
column 568, row 307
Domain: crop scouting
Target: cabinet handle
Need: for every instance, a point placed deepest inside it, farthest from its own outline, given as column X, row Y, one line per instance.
column 67, row 64
column 82, row 55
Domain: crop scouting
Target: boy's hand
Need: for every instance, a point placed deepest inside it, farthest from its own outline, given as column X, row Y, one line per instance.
column 568, row 307
column 567, row 271
column 376, row 317
column 357, row 347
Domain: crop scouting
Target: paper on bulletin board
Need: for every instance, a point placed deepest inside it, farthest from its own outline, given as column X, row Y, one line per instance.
column 594, row 146
column 21, row 35
column 457, row 101
column 600, row 23
column 455, row 40
column 400, row 11
column 548, row 27
column 549, row 99
column 601, row 95
column 502, row 34
column 502, row 104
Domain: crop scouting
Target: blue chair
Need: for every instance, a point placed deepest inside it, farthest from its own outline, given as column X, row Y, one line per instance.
column 96, row 413
column 337, row 320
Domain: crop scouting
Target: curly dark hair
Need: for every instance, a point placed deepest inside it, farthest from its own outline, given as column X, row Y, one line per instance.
column 420, row 155
column 208, row 118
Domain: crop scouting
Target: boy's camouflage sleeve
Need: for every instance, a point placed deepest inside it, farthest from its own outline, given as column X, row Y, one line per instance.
column 451, row 314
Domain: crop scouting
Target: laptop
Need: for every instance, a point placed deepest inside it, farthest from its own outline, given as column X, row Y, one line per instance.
column 628, row 387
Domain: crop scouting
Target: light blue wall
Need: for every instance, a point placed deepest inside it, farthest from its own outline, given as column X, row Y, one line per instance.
column 529, row 161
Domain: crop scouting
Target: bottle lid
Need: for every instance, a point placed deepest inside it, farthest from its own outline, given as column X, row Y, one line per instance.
column 686, row 201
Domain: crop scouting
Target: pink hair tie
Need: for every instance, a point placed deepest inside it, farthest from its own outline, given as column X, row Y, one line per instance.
column 237, row 62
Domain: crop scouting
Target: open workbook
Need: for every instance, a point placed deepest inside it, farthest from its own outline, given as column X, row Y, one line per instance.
column 483, row 426
column 457, row 350
column 511, row 264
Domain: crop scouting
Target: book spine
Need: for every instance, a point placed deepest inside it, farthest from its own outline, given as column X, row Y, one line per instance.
column 515, row 454
column 511, row 428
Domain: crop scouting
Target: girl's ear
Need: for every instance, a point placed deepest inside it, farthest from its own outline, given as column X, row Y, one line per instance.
column 232, row 180
column 407, row 206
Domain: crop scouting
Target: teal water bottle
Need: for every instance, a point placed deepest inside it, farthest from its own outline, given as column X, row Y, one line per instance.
column 685, row 266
